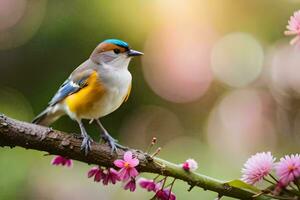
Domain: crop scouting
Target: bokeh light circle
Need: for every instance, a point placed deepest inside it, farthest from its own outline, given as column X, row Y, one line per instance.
column 237, row 59
column 241, row 110
column 11, row 12
column 19, row 21
column 238, row 124
column 177, row 64
column 284, row 72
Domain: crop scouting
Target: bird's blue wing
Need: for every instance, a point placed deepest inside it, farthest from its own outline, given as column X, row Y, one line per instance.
column 70, row 86
column 67, row 88
column 73, row 84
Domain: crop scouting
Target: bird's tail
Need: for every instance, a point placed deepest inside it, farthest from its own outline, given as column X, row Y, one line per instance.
column 47, row 117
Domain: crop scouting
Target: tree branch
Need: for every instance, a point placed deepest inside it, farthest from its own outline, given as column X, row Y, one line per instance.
column 30, row 136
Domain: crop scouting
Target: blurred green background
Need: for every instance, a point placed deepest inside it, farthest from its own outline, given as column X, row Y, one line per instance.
column 218, row 82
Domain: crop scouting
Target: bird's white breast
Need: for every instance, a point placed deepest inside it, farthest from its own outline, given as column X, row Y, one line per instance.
column 117, row 83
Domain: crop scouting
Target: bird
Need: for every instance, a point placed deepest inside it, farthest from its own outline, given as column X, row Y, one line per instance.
column 93, row 90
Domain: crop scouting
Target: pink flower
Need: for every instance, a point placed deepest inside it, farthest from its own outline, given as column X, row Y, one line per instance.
column 288, row 169
column 127, row 166
column 59, row 160
column 110, row 176
column 97, row 173
column 190, row 165
column 147, row 184
column 165, row 194
column 294, row 27
column 131, row 185
column 257, row 167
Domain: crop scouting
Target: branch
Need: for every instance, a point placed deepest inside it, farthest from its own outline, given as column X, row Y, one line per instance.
column 30, row 136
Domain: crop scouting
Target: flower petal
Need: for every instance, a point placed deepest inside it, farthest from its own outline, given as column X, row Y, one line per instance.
column 98, row 176
column 69, row 163
column 124, row 174
column 133, row 172
column 128, row 156
column 134, row 162
column 131, row 185
column 92, row 172
column 119, row 163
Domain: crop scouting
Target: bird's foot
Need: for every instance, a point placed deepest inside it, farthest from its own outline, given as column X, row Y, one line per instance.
column 113, row 143
column 86, row 144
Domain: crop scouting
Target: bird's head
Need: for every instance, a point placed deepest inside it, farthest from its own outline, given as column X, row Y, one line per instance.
column 114, row 52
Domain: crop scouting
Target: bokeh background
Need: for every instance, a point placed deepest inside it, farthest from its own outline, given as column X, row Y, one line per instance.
column 218, row 82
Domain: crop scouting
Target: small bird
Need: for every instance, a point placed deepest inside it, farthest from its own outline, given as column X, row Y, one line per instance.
column 94, row 89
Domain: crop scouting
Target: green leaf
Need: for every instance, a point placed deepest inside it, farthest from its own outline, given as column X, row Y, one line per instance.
column 242, row 185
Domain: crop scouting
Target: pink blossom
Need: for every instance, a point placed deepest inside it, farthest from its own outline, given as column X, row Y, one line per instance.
column 147, row 184
column 165, row 194
column 288, row 169
column 257, row 167
column 294, row 27
column 190, row 165
column 127, row 166
column 97, row 173
column 59, row 160
column 130, row 185
column 110, row 176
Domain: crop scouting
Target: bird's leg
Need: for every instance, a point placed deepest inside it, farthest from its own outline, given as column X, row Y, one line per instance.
column 108, row 138
column 87, row 140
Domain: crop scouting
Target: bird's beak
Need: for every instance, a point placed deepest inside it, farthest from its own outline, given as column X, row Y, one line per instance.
column 132, row 53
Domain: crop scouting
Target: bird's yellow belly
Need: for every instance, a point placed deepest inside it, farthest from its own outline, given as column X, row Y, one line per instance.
column 82, row 103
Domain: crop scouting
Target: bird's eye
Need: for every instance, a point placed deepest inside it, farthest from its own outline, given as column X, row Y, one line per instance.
column 117, row 51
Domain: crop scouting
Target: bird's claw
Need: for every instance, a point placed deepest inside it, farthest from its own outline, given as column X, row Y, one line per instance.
column 86, row 144
column 113, row 143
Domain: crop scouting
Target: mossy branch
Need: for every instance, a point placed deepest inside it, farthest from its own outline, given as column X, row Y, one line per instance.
column 30, row 136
